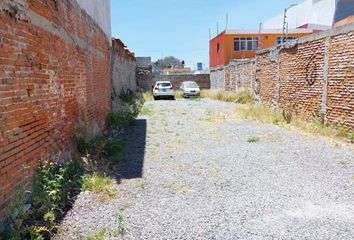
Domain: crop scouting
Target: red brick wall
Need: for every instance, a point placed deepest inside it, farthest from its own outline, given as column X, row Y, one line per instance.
column 313, row 75
column 54, row 77
column 340, row 90
column 301, row 77
column 267, row 78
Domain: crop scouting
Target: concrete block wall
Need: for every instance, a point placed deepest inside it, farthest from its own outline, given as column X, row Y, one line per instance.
column 312, row 75
column 217, row 78
column 54, row 78
column 234, row 76
column 203, row 80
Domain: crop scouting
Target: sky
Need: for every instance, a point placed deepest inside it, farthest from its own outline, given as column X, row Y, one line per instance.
column 180, row 28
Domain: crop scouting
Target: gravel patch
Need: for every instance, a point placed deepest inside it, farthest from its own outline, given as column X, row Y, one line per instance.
column 191, row 173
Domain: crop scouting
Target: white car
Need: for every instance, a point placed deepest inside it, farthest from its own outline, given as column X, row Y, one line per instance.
column 163, row 89
column 190, row 89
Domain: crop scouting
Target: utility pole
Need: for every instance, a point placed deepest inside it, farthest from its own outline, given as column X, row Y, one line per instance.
column 284, row 24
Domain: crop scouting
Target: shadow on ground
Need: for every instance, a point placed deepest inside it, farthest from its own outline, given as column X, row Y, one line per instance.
column 133, row 163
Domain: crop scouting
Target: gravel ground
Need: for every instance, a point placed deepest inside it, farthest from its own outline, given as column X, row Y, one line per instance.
column 192, row 174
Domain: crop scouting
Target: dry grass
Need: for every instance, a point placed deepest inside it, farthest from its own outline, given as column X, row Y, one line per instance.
column 242, row 96
column 148, row 96
column 102, row 185
column 269, row 115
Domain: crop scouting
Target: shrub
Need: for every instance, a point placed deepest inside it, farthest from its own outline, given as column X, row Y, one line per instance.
column 34, row 217
column 114, row 149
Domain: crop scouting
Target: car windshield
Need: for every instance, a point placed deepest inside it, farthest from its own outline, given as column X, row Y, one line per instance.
column 163, row 84
column 191, row 85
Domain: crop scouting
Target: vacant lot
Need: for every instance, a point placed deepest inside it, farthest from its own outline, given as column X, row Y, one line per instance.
column 194, row 170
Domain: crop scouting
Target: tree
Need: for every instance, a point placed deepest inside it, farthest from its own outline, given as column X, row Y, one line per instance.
column 168, row 62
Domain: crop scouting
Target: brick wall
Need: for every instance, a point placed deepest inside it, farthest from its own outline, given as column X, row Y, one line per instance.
column 312, row 75
column 203, row 80
column 123, row 67
column 236, row 75
column 54, row 77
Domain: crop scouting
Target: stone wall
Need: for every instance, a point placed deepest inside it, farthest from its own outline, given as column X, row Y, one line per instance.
column 123, row 67
column 234, row 76
column 312, row 76
column 203, row 80
column 54, row 78
column 144, row 73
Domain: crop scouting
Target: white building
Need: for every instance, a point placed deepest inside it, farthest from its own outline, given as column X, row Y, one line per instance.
column 100, row 11
column 314, row 12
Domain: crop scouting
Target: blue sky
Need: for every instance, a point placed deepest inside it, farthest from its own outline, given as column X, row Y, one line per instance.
column 180, row 28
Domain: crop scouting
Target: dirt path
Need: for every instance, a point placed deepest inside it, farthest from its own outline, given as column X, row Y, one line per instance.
column 195, row 171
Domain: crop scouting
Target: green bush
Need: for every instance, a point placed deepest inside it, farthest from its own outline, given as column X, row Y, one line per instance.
column 114, row 149
column 54, row 186
column 124, row 117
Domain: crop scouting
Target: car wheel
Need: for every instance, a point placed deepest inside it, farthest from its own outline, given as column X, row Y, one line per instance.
column 155, row 98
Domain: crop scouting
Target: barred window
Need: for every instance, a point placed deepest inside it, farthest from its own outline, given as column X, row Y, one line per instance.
column 281, row 40
column 246, row 43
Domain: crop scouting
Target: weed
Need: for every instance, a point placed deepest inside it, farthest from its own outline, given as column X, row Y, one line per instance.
column 84, row 144
column 99, row 184
column 101, row 235
column 126, row 114
column 242, row 96
column 127, row 96
column 146, row 111
column 104, row 234
column 34, row 216
column 148, row 96
column 178, row 95
column 120, row 230
column 288, row 116
column 268, row 115
column 215, row 117
column 253, row 139
column 344, row 163
column 114, row 149
column 120, row 119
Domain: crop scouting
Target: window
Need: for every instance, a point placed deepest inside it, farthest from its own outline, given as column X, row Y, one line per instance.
column 281, row 40
column 218, row 47
column 163, row 84
column 246, row 44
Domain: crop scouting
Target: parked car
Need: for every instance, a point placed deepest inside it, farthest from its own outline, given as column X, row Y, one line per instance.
column 163, row 89
column 190, row 89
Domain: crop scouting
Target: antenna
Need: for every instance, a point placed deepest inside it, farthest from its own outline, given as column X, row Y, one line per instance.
column 217, row 28
column 284, row 22
column 259, row 35
column 209, row 35
column 227, row 20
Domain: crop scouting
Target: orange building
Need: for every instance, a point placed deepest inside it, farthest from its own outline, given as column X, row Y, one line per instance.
column 242, row 44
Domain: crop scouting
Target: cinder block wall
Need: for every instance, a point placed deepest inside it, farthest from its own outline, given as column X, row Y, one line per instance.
column 54, row 77
column 234, row 76
column 203, row 80
column 312, row 75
